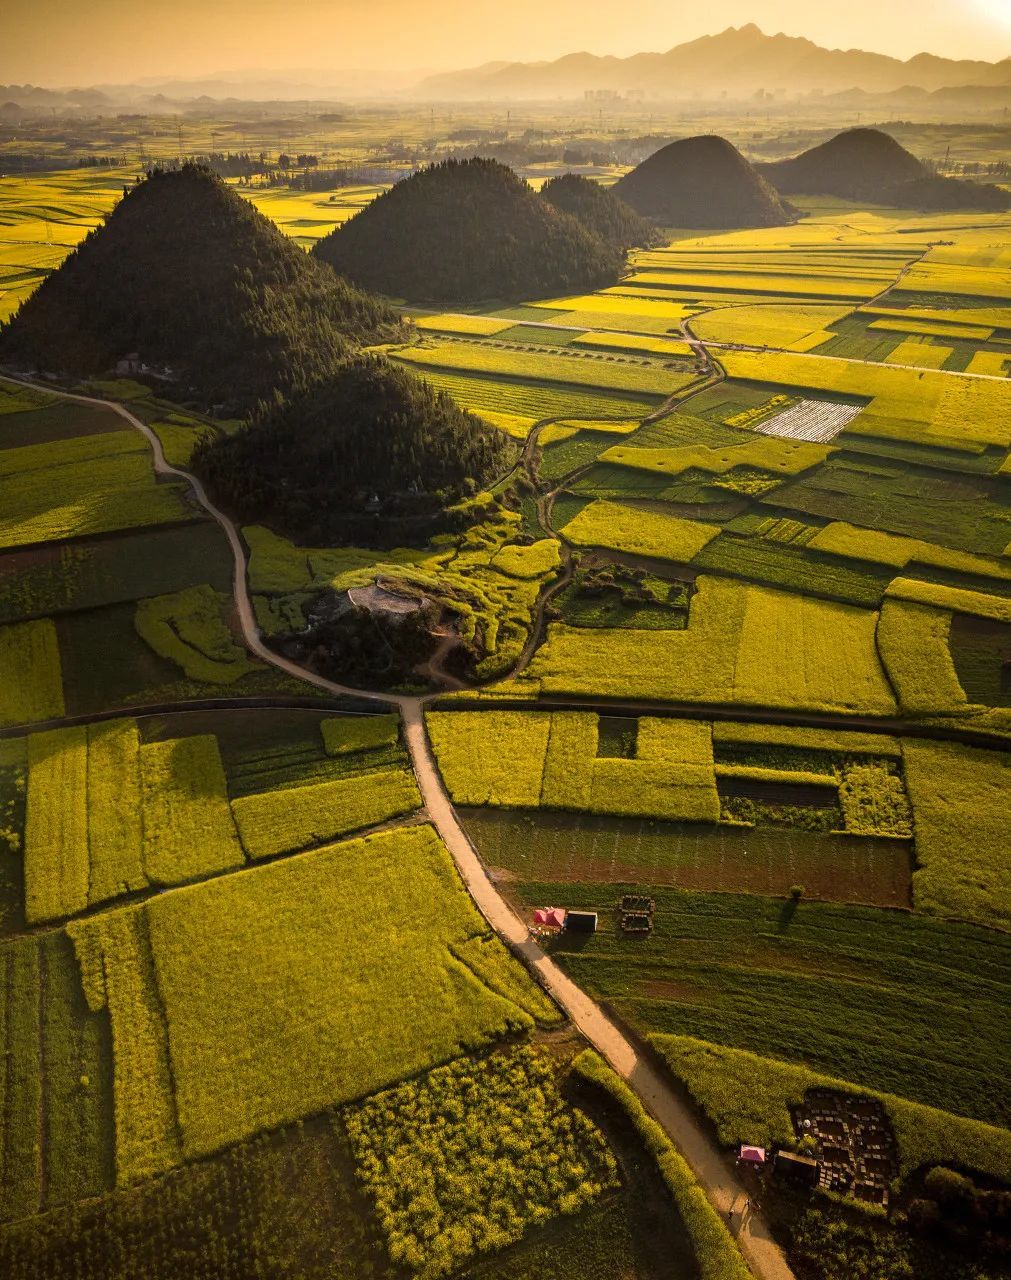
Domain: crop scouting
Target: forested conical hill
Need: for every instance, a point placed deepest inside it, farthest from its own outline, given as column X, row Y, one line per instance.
column 867, row 164
column 189, row 275
column 312, row 467
column 601, row 211
column 702, row 182
column 854, row 164
column 466, row 231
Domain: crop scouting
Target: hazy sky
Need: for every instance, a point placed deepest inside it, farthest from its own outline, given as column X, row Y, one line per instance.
column 61, row 42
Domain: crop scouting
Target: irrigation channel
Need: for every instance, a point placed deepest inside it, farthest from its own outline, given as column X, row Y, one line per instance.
column 656, row 1093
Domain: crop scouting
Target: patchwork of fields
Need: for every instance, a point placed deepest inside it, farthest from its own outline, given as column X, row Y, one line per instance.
column 807, row 533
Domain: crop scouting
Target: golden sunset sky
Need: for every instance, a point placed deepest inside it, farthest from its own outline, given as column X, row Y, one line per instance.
column 64, row 42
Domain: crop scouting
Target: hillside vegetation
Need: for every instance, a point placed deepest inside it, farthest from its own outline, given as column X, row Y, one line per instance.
column 858, row 162
column 867, row 164
column 702, row 182
column 309, row 468
column 188, row 275
column 601, row 211
column 465, row 231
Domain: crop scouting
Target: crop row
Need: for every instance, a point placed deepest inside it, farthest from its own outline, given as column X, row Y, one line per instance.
column 573, row 368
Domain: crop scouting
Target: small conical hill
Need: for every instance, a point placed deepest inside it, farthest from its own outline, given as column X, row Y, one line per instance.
column 599, row 210
column 313, row 467
column 702, row 182
column 191, row 277
column 467, row 231
column 857, row 163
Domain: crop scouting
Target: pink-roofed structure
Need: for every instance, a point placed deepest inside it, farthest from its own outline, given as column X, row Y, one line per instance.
column 751, row 1155
column 553, row 917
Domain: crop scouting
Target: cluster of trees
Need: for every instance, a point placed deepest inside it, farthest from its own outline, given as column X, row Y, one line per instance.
column 303, row 160
column 229, row 164
column 601, row 211
column 952, row 1209
column 938, row 194
column 192, row 277
column 366, row 649
column 372, row 455
column 466, row 231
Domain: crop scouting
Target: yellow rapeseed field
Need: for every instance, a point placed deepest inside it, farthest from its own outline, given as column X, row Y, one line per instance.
column 372, row 920
column 188, row 827
column 959, row 797
column 638, row 529
column 31, row 679
column 56, row 825
column 296, row 817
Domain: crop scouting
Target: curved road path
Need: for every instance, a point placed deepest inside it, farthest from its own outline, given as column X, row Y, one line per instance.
column 656, row 1093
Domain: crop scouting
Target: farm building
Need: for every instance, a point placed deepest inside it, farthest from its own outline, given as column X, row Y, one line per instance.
column 801, row 1168
column 581, row 921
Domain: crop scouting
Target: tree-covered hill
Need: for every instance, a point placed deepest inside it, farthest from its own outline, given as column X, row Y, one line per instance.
column 867, row 164
column 373, row 455
column 191, row 277
column 702, row 182
column 467, row 231
column 854, row 164
column 601, row 211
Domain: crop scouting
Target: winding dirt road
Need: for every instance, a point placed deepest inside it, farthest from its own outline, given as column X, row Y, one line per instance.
column 675, row 1115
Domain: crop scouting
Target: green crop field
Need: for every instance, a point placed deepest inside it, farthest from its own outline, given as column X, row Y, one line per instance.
column 881, row 1000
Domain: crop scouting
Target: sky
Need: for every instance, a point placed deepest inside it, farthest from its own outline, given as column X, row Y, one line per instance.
column 78, row 42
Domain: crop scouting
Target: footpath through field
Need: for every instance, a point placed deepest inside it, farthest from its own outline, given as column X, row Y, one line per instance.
column 658, row 1095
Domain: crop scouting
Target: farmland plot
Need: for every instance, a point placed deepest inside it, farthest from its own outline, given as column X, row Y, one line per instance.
column 558, row 762
column 959, row 796
column 573, row 848
column 441, row 1199
column 31, row 679
column 279, row 821
column 818, row 421
column 267, row 950
column 892, row 1001
column 743, row 644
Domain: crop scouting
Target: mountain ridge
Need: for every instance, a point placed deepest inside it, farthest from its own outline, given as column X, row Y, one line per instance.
column 739, row 60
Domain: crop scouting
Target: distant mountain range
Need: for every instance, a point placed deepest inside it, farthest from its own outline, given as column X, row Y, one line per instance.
column 738, row 63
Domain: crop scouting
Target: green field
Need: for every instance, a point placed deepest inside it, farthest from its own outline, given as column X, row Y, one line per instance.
column 897, row 1003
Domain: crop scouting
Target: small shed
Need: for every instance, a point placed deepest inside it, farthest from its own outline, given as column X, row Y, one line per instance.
column 754, row 1156
column 553, row 917
column 581, row 922
column 800, row 1168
